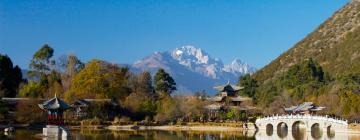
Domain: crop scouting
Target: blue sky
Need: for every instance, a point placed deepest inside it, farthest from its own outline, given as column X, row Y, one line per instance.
column 123, row 31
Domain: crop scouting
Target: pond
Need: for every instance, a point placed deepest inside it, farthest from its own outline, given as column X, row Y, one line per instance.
column 185, row 135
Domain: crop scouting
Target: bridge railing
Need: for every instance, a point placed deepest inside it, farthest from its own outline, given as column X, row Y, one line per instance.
column 298, row 116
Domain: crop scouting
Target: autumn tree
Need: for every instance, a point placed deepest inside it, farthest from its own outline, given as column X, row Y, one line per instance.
column 32, row 89
column 191, row 107
column 167, row 110
column 142, row 83
column 164, row 82
column 54, row 84
column 142, row 101
column 100, row 79
column 145, row 83
column 70, row 65
column 140, row 105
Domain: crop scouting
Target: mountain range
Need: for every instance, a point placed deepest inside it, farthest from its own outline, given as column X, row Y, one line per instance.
column 193, row 69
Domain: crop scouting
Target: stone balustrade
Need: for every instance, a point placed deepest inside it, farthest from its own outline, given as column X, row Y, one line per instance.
column 324, row 122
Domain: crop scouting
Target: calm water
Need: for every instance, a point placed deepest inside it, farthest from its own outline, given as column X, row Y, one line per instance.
column 184, row 135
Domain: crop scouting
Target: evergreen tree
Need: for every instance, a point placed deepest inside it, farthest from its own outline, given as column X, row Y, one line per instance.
column 249, row 85
column 10, row 77
column 164, row 82
column 305, row 72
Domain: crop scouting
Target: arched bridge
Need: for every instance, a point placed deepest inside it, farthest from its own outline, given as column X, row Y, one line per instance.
column 307, row 122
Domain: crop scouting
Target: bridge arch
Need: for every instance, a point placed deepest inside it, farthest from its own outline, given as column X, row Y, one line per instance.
column 302, row 122
column 282, row 129
column 269, row 129
column 298, row 130
column 298, row 125
column 330, row 131
column 316, row 131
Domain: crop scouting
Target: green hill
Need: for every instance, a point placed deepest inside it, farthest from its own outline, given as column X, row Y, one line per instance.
column 335, row 44
column 323, row 68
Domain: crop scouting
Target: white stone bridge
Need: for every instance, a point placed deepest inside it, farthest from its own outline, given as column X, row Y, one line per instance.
column 307, row 122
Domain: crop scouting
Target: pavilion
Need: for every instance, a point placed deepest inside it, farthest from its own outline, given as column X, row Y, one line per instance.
column 227, row 99
column 55, row 108
column 304, row 108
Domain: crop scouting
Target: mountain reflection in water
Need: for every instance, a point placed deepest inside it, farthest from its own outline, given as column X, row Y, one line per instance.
column 298, row 134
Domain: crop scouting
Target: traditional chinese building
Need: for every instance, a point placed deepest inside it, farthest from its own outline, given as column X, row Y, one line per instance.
column 304, row 108
column 80, row 106
column 55, row 108
column 226, row 100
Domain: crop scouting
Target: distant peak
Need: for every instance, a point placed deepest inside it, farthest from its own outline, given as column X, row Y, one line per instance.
column 238, row 66
column 237, row 60
column 188, row 47
column 190, row 53
column 190, row 50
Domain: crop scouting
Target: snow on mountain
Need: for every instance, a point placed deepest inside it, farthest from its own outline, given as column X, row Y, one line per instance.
column 198, row 61
column 238, row 67
column 193, row 69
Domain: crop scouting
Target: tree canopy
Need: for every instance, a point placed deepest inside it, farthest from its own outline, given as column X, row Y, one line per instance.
column 100, row 79
column 10, row 77
column 305, row 72
column 41, row 61
column 164, row 82
column 249, row 85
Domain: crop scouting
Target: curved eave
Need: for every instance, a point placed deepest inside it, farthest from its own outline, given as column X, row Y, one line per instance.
column 222, row 88
column 54, row 104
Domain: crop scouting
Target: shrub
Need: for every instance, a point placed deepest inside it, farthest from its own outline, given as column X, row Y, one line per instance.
column 94, row 121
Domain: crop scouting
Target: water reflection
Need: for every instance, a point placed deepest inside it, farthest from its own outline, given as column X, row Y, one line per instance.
column 279, row 134
column 163, row 135
column 301, row 134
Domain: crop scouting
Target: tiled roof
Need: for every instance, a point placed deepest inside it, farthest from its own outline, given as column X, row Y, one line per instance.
column 228, row 86
column 303, row 107
column 54, row 103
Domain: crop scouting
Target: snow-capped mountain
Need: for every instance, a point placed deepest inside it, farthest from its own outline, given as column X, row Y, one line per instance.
column 193, row 69
column 198, row 61
column 237, row 67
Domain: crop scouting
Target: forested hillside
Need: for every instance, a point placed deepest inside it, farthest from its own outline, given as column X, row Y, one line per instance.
column 323, row 68
column 335, row 44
